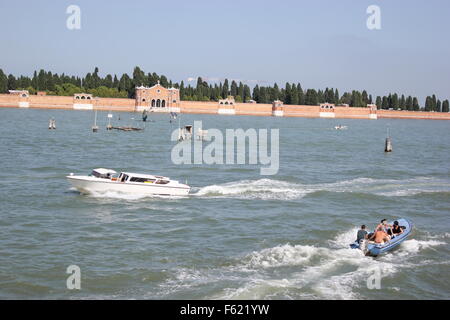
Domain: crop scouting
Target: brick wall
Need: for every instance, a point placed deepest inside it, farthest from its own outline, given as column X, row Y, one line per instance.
column 119, row 104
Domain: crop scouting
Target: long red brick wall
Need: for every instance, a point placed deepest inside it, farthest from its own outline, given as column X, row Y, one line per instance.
column 301, row 111
column 114, row 104
column 57, row 102
column 253, row 109
column 413, row 115
column 198, row 107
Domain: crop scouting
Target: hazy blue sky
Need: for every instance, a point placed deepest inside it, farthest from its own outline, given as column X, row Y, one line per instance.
column 318, row 43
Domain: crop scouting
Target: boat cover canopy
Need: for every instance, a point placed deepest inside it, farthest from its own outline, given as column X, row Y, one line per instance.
column 104, row 171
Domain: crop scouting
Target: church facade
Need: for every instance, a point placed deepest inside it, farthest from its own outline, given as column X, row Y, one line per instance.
column 157, row 98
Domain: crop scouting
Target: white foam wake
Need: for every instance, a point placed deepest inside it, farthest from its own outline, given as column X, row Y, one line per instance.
column 272, row 189
column 302, row 271
column 129, row 196
column 260, row 189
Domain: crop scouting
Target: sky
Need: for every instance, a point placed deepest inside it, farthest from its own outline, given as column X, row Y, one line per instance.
column 321, row 43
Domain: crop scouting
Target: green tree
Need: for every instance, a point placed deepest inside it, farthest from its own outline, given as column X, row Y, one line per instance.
column 385, row 103
column 139, row 78
column 234, row 88
column 288, row 94
column 3, row 82
column 428, row 104
column 445, row 106
column 378, row 102
column 12, row 82
column 438, row 106
column 416, row 106
column 247, row 93
column 409, row 103
column 357, row 99
column 225, row 89
column 402, row 103
column 311, row 98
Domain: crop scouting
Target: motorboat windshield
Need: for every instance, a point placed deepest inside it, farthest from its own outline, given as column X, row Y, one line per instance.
column 103, row 173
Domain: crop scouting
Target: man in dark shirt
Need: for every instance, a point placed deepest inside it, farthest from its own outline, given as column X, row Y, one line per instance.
column 362, row 233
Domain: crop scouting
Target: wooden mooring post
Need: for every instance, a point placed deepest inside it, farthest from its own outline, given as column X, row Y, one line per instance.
column 388, row 143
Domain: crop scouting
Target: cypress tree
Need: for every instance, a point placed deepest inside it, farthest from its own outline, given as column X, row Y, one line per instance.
column 3, row 82
column 445, row 106
column 247, row 94
column 301, row 94
column 240, row 91
column 428, row 103
column 336, row 96
column 395, row 102
column 364, row 99
column 276, row 94
column 378, row 102
column 233, row 89
column 438, row 106
column 12, row 82
column 311, row 98
column 409, row 103
column 416, row 106
column 256, row 93
column 288, row 93
column 385, row 103
column 225, row 89
column 402, row 103
column 294, row 95
column 163, row 81
column 433, row 103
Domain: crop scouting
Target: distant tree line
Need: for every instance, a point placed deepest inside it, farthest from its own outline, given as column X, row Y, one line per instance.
column 124, row 87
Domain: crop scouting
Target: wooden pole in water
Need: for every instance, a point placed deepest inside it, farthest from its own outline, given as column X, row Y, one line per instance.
column 109, row 126
column 52, row 124
column 95, row 127
column 388, row 144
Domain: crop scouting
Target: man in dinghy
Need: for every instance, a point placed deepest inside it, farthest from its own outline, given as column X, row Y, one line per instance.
column 383, row 225
column 362, row 234
column 397, row 229
column 380, row 236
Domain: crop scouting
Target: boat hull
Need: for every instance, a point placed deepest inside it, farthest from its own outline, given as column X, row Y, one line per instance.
column 84, row 185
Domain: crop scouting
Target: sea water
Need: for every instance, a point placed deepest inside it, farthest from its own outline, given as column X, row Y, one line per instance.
column 238, row 235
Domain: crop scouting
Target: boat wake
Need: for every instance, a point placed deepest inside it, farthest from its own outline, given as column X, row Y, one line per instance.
column 301, row 271
column 271, row 189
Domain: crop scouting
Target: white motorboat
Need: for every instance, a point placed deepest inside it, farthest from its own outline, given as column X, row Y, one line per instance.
column 340, row 127
column 103, row 180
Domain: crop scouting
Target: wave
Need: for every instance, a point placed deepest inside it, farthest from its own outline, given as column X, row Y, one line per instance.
column 272, row 189
column 301, row 271
column 255, row 189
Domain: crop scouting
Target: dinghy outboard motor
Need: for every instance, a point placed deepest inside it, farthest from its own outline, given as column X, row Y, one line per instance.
column 363, row 245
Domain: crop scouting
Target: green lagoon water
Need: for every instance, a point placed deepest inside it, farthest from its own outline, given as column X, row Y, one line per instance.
column 239, row 235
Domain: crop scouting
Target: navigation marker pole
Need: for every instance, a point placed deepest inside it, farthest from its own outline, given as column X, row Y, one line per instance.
column 388, row 144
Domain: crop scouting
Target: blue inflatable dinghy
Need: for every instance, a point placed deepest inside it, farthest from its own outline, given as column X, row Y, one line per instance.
column 373, row 249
